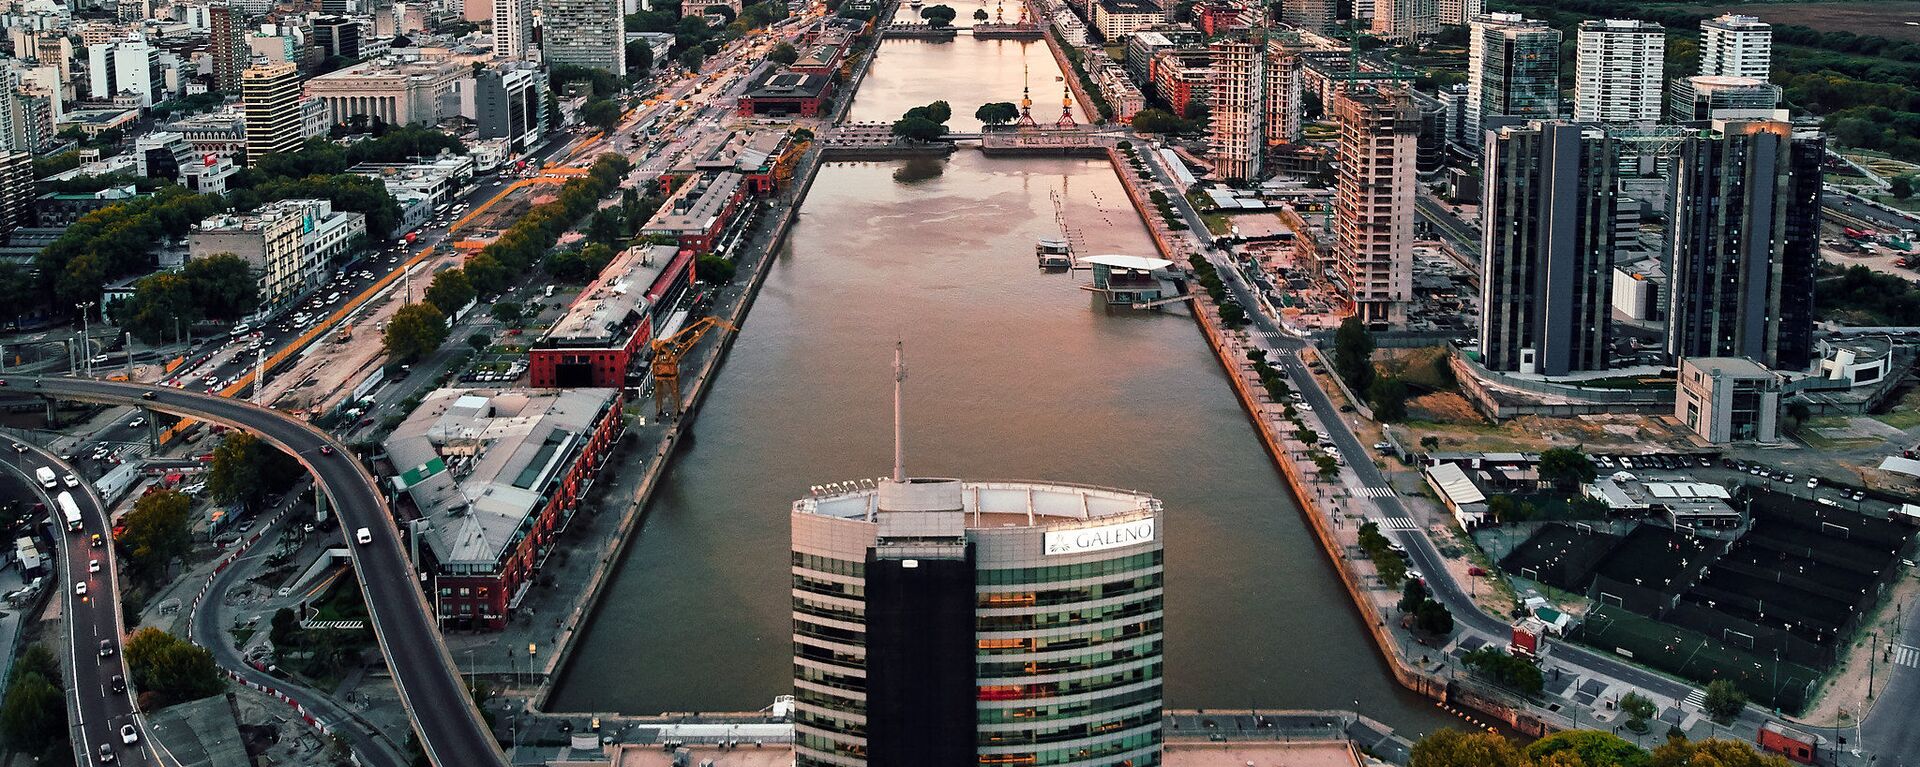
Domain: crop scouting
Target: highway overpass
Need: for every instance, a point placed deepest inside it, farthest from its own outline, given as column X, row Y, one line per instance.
column 431, row 690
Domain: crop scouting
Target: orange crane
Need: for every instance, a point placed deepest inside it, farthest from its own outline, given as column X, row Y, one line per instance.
column 666, row 363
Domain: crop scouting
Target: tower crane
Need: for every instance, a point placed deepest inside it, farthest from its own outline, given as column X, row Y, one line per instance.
column 666, row 363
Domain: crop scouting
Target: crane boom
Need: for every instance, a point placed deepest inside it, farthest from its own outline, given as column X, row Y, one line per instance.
column 666, row 363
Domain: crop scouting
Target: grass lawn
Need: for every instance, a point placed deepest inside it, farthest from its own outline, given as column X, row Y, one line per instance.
column 1216, row 223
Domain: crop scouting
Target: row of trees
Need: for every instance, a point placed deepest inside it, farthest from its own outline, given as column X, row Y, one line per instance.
column 154, row 534
column 1583, row 748
column 166, row 305
column 33, row 715
column 118, row 240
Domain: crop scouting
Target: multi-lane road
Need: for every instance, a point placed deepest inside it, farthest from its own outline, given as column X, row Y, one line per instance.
column 430, row 688
column 99, row 701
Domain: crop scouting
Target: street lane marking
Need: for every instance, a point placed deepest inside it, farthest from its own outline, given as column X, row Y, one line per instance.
column 1376, row 492
column 1906, row 655
column 1697, row 698
column 1399, row 523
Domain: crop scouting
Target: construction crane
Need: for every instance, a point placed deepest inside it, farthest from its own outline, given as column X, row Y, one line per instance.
column 666, row 363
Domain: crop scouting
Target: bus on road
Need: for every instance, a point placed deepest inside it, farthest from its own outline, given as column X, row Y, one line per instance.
column 70, row 511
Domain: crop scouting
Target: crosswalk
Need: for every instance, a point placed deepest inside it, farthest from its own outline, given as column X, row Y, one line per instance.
column 1376, row 492
column 1696, row 698
column 1398, row 523
column 1905, row 655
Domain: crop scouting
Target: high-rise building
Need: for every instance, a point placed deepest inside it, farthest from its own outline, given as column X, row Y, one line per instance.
column 16, row 189
column 512, row 28
column 339, row 36
column 510, row 102
column 1714, row 97
column 941, row 622
column 1743, row 243
column 270, row 96
column 1513, row 70
column 129, row 68
column 1312, row 15
column 1284, row 73
column 1239, row 108
column 1373, row 200
column 1736, row 46
column 227, row 45
column 1458, row 13
column 585, row 33
column 1546, row 247
column 1404, row 21
column 1620, row 66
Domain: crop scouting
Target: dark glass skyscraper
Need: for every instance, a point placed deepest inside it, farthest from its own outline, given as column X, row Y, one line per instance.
column 1547, row 247
column 1743, row 243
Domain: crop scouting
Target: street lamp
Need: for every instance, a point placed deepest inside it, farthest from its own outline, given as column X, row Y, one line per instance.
column 86, row 337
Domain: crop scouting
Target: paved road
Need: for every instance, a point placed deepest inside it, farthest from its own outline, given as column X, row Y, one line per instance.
column 431, row 689
column 99, row 710
column 210, row 631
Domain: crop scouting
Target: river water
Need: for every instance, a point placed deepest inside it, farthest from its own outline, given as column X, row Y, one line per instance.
column 1014, row 373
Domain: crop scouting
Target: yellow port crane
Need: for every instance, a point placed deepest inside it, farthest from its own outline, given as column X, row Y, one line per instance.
column 666, row 363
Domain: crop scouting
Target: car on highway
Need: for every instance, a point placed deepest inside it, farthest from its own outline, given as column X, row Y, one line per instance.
column 118, row 683
column 71, row 481
column 96, row 541
column 93, row 565
column 106, row 753
column 80, row 588
column 19, row 447
column 128, row 735
column 363, row 536
column 106, row 648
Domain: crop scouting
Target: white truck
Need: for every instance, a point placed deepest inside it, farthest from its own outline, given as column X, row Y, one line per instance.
column 46, row 477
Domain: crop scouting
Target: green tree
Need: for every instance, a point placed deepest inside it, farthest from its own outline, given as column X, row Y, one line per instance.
column 997, row 113
column 690, row 59
column 639, row 58
column 1513, row 672
column 918, row 129
column 1679, row 752
column 1430, row 443
column 601, row 113
column 1433, row 618
column 1388, row 395
column 1592, row 747
column 168, row 670
column 508, row 312
column 1508, row 509
column 155, row 532
column 980, row 14
column 162, row 307
column 784, row 53
column 479, row 341
column 1638, row 710
column 245, row 470
column 938, row 15
column 1565, row 467
column 1451, row 748
column 224, row 285
column 450, row 291
column 33, row 713
column 1157, row 121
column 1901, row 187
column 415, row 331
column 1724, row 700
column 1412, row 594
column 1353, row 355
column 712, row 269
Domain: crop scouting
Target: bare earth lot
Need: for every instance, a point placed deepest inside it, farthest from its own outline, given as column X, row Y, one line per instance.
column 1885, row 19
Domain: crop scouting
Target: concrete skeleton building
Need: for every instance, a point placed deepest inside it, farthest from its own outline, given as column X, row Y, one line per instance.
column 942, row 622
column 1373, row 200
column 1743, row 243
column 585, row 33
column 1619, row 70
column 1513, row 70
column 289, row 243
column 1547, row 243
column 1239, row 108
column 1736, row 46
column 271, row 97
column 1285, row 68
column 495, row 475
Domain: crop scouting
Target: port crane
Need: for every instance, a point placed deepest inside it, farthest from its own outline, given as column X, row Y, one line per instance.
column 666, row 363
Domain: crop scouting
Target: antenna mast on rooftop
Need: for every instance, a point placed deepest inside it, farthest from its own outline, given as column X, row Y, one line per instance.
column 899, row 440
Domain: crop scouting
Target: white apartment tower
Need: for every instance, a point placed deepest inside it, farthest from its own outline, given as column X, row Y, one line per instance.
column 512, row 28
column 1404, row 21
column 1458, row 13
column 1239, row 108
column 1373, row 200
column 1620, row 68
column 1736, row 46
